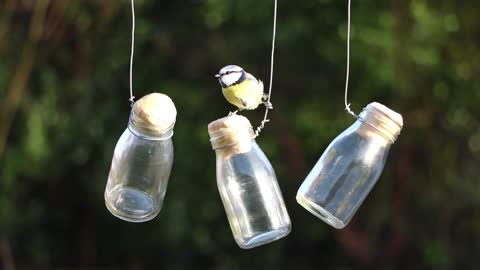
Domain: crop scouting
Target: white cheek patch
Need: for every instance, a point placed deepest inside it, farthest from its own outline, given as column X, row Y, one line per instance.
column 231, row 78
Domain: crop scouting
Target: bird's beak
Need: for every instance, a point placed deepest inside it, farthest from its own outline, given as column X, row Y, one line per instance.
column 217, row 75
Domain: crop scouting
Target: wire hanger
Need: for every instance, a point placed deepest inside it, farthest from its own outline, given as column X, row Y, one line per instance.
column 347, row 105
column 132, row 98
column 272, row 61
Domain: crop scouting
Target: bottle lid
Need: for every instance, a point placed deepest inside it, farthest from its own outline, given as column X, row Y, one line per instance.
column 234, row 130
column 154, row 115
column 386, row 121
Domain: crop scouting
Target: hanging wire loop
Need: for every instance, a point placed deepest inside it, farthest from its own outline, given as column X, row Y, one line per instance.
column 132, row 98
column 347, row 105
column 272, row 61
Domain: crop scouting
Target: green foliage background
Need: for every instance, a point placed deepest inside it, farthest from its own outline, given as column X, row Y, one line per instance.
column 64, row 98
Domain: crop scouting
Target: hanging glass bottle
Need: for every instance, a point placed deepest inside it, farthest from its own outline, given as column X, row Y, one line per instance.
column 350, row 166
column 142, row 160
column 247, row 184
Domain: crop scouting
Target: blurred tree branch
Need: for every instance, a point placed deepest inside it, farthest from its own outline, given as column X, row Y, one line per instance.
column 55, row 21
column 6, row 255
column 5, row 22
column 22, row 74
column 291, row 145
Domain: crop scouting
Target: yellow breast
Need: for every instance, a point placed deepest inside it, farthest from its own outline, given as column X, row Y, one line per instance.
column 246, row 95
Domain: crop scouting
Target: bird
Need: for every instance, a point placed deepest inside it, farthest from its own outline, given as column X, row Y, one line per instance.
column 242, row 89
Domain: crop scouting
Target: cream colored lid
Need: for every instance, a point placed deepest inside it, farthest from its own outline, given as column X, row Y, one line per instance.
column 396, row 117
column 154, row 114
column 383, row 119
column 230, row 131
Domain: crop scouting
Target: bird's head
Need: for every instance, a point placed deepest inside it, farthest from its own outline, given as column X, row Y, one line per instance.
column 230, row 75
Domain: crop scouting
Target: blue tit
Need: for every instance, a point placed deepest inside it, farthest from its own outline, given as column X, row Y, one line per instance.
column 241, row 88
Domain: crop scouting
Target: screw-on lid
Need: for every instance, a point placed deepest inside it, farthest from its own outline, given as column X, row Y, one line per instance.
column 154, row 115
column 231, row 131
column 386, row 121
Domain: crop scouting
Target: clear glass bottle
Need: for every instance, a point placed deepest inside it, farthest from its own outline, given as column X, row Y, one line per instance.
column 350, row 166
column 247, row 183
column 142, row 161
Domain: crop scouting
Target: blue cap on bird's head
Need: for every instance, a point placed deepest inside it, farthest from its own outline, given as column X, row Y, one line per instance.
column 228, row 69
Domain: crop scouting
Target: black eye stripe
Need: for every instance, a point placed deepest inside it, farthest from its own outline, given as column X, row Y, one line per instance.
column 231, row 71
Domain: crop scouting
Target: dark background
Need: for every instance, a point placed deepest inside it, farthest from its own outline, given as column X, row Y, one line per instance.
column 64, row 103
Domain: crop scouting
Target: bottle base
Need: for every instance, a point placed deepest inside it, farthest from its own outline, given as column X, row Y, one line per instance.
column 320, row 212
column 264, row 238
column 131, row 205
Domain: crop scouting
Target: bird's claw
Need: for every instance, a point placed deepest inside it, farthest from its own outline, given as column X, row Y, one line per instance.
column 232, row 113
column 268, row 105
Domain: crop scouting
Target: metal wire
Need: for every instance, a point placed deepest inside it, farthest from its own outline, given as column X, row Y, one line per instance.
column 272, row 61
column 132, row 98
column 347, row 105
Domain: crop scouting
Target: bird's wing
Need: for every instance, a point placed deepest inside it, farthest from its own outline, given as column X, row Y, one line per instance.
column 251, row 77
column 243, row 102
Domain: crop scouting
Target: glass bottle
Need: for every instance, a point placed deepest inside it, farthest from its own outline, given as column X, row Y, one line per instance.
column 350, row 166
column 247, row 183
column 142, row 160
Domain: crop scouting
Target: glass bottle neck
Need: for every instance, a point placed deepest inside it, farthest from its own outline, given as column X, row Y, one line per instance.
column 368, row 131
column 139, row 129
column 226, row 138
column 379, row 123
column 240, row 147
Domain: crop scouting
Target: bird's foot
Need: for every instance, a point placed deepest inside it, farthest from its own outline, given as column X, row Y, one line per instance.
column 268, row 105
column 232, row 113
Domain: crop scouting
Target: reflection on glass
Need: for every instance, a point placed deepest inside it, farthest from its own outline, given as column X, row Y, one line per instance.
column 247, row 184
column 350, row 166
column 142, row 161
